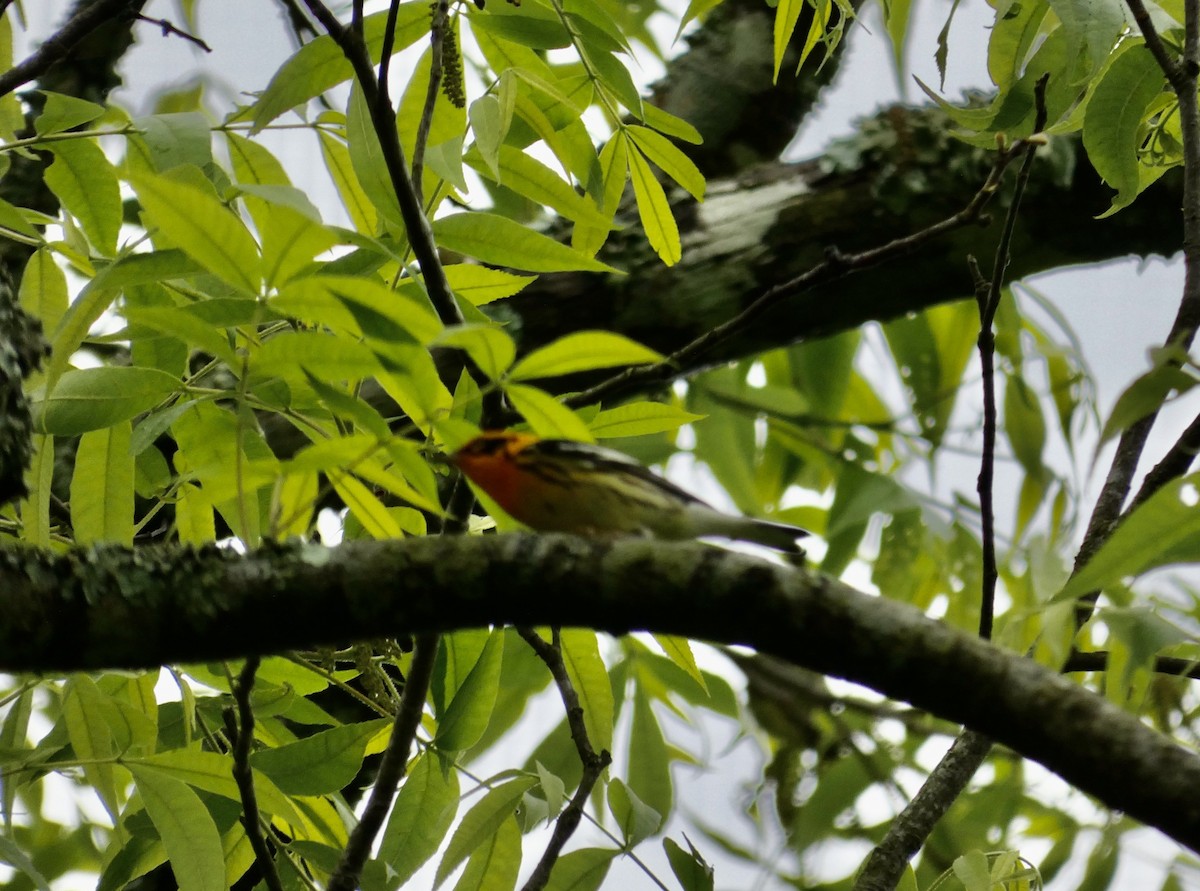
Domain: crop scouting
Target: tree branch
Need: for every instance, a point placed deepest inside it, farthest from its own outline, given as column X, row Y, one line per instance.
column 113, row 607
column 56, row 47
column 593, row 764
column 243, row 774
column 392, row 766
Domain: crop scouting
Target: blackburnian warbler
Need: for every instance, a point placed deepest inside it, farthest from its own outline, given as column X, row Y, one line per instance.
column 558, row 485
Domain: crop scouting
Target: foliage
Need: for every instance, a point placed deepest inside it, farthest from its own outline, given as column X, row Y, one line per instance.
column 200, row 306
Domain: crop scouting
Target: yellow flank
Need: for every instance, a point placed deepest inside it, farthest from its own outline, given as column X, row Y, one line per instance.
column 557, row 485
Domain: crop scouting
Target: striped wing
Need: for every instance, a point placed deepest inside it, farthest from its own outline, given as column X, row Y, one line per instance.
column 602, row 460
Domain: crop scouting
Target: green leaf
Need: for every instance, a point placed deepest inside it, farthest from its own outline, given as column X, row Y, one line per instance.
column 341, row 170
column 466, row 717
column 85, row 181
column 94, row 398
column 672, row 125
column 102, row 487
column 616, row 77
column 203, row 228
column 11, row 854
column 488, row 345
column 532, row 26
column 376, row 519
column 499, row 240
column 43, row 291
column 321, row 65
column 787, row 13
column 531, row 178
column 614, row 167
column 1163, row 529
column 486, row 119
column 640, row 419
column 690, row 868
column 482, row 822
column 84, row 713
column 495, row 863
column 582, row 870
column 482, row 284
column 424, row 810
column 175, row 139
column 186, row 828
column 972, row 870
column 13, row 220
column 211, row 772
column 589, row 677
column 321, row 354
column 62, row 113
column 583, row 351
column 546, row 415
column 649, row 768
column 1113, row 119
column 320, row 764
column 654, row 211
column 1145, row 395
column 673, row 162
column 1024, row 424
column 679, row 651
column 636, row 819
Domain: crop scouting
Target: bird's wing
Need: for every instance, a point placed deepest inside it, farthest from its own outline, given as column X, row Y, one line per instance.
column 603, row 459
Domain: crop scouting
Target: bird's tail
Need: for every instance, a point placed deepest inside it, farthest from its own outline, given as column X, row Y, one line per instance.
column 779, row 536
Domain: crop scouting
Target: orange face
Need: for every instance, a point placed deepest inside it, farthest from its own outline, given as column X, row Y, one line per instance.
column 489, row 461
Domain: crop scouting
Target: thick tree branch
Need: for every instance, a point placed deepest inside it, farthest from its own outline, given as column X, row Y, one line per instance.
column 109, row 607
column 58, row 45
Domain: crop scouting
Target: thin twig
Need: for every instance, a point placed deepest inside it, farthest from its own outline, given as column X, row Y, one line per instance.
column 385, row 60
column 836, row 265
column 437, row 36
column 168, row 29
column 989, row 303
column 56, row 46
column 593, row 764
column 392, row 766
column 950, row 776
column 243, row 775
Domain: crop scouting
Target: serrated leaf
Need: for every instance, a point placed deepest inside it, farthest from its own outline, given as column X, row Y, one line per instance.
column 589, row 677
column 679, row 651
column 85, row 181
column 102, row 487
column 424, row 810
column 175, row 139
column 692, row 871
column 499, row 240
column 321, row 65
column 203, row 228
column 531, row 178
column 486, row 119
column 1113, row 119
column 186, row 828
column 367, row 160
column 62, row 112
column 672, row 125
column 94, row 398
column 669, row 159
column 582, row 870
column 43, row 292
column 481, row 822
column 546, row 415
column 636, row 819
column 583, row 351
column 320, row 764
column 640, row 419
column 649, row 770
column 466, row 716
column 654, row 211
column 487, row 345
column 787, row 13
column 494, row 865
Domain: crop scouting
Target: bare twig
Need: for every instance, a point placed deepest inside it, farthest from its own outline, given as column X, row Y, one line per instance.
column 1097, row 660
column 64, row 39
column 989, row 303
column 169, row 29
column 950, row 776
column 392, row 766
column 243, row 775
column 593, row 763
column 385, row 58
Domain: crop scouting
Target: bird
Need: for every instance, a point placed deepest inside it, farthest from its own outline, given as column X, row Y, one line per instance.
column 561, row 485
